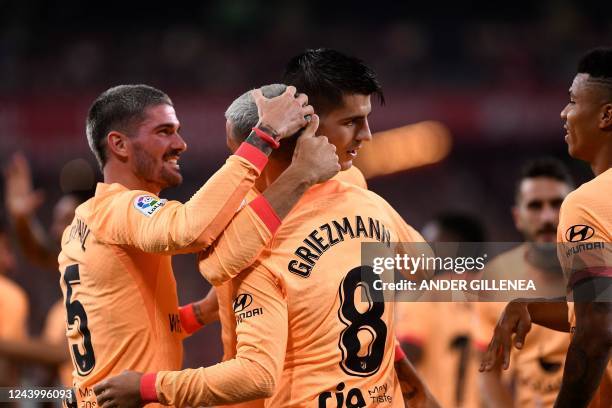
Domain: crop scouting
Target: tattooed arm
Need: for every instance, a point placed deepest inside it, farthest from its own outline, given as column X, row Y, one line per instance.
column 589, row 351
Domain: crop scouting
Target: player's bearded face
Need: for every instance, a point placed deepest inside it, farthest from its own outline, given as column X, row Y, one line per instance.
column 536, row 213
column 347, row 127
column 157, row 148
column 581, row 116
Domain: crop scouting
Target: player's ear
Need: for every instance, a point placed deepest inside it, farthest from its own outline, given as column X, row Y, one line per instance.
column 605, row 120
column 117, row 144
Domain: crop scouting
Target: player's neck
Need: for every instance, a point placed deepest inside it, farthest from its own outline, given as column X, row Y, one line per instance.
column 115, row 172
column 603, row 160
column 271, row 172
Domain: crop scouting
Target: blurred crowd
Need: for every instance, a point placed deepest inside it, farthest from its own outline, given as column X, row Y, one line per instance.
column 207, row 46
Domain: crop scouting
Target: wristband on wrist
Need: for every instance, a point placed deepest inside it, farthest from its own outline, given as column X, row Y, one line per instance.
column 257, row 155
column 259, row 144
column 189, row 318
column 269, row 130
column 264, row 135
column 148, row 392
column 399, row 353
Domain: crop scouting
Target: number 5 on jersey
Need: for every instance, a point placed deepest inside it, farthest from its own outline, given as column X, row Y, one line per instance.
column 76, row 316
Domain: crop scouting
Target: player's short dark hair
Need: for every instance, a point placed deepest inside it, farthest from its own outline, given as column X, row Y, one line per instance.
column 465, row 227
column 597, row 63
column 547, row 167
column 118, row 108
column 326, row 76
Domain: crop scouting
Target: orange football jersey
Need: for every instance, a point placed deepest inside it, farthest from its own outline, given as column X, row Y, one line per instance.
column 116, row 276
column 443, row 331
column 303, row 334
column 224, row 291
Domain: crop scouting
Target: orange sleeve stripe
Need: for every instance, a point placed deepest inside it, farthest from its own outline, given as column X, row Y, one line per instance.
column 148, row 393
column 258, row 158
column 264, row 210
column 593, row 272
column 189, row 322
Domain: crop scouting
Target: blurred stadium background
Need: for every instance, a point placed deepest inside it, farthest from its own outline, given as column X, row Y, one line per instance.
column 488, row 78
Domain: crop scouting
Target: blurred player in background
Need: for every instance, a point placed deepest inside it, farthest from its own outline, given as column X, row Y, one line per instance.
column 261, row 350
column 116, row 274
column 585, row 229
column 13, row 311
column 537, row 369
column 40, row 247
column 440, row 346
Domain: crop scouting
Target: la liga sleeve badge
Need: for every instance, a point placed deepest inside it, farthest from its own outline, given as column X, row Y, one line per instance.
column 148, row 205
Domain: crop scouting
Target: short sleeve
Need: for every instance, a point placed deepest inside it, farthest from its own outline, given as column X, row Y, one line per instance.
column 585, row 245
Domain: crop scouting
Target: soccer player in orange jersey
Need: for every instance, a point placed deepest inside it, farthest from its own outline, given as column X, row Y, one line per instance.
column 237, row 127
column 441, row 348
column 585, row 231
column 294, row 311
column 115, row 264
column 314, row 72
column 538, row 367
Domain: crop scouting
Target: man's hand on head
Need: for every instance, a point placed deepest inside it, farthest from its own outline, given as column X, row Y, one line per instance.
column 314, row 157
column 283, row 115
column 314, row 161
